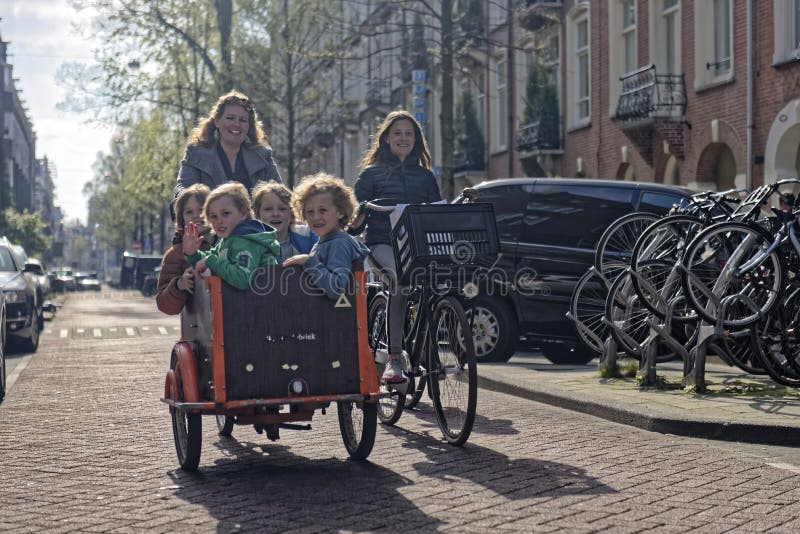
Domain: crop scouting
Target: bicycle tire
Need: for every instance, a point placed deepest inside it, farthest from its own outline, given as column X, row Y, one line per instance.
column 713, row 256
column 655, row 257
column 417, row 384
column 778, row 352
column 587, row 305
column 390, row 402
column 453, row 378
column 613, row 251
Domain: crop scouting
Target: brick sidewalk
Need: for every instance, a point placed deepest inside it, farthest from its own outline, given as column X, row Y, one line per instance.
column 738, row 406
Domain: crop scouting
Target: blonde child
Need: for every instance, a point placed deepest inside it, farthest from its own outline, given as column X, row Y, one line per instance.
column 328, row 206
column 272, row 205
column 243, row 245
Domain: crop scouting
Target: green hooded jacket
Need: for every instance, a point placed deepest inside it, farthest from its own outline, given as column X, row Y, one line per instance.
column 235, row 258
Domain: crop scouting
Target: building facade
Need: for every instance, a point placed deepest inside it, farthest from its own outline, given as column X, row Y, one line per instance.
column 18, row 146
column 704, row 94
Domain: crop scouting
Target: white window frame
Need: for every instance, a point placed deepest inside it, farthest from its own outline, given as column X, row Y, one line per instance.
column 500, row 130
column 480, row 101
column 661, row 15
column 787, row 31
column 706, row 72
column 578, row 15
column 617, row 49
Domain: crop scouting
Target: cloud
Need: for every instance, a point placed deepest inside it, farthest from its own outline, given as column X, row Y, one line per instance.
column 43, row 35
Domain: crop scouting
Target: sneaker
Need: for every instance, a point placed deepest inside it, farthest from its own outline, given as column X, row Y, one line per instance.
column 393, row 373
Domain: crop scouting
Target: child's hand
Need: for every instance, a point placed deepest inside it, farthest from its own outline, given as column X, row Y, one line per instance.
column 300, row 260
column 186, row 281
column 191, row 239
column 202, row 269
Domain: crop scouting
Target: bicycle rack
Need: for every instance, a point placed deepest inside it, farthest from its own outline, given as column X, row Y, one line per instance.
column 647, row 364
column 695, row 365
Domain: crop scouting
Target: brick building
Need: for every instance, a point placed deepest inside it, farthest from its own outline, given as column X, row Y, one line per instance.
column 673, row 85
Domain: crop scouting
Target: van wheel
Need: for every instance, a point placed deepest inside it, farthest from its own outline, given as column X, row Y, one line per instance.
column 494, row 328
column 566, row 354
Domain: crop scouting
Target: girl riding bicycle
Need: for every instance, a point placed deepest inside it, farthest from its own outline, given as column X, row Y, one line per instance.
column 398, row 167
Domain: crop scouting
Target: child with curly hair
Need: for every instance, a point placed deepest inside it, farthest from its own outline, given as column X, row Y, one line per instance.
column 328, row 206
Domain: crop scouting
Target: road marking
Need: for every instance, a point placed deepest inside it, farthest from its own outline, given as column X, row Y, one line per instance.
column 10, row 379
column 162, row 330
column 96, row 332
column 79, row 330
column 176, row 328
column 114, row 329
column 145, row 328
column 64, row 333
column 129, row 331
column 785, row 467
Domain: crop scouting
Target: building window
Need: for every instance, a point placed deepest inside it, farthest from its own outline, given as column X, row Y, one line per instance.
column 665, row 36
column 713, row 46
column 628, row 14
column 501, row 113
column 623, row 53
column 787, row 30
column 578, row 66
column 722, row 36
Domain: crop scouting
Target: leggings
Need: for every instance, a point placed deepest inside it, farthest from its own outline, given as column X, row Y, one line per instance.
column 383, row 255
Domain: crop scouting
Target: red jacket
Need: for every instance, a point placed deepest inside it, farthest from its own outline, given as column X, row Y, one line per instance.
column 170, row 299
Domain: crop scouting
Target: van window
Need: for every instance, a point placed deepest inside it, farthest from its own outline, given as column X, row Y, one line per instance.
column 573, row 215
column 659, row 202
column 509, row 208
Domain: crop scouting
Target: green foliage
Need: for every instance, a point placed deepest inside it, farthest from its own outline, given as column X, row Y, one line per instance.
column 26, row 229
column 540, row 95
column 135, row 179
column 469, row 138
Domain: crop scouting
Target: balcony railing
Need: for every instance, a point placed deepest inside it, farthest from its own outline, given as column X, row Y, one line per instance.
column 646, row 94
column 378, row 92
column 543, row 134
column 537, row 14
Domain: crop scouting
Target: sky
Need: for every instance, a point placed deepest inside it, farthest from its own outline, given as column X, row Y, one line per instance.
column 42, row 37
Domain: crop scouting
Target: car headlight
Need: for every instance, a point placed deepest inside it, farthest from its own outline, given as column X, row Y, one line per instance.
column 14, row 296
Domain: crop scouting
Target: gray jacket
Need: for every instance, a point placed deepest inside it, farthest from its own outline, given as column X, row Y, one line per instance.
column 201, row 165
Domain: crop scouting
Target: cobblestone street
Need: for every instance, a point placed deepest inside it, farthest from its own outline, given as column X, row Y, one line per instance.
column 85, row 445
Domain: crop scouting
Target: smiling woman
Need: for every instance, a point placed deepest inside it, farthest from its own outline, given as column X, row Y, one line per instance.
column 228, row 145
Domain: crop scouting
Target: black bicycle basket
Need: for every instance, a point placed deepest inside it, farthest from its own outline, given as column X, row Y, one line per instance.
column 444, row 235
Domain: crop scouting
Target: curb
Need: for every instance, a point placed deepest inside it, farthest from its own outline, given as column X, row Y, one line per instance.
column 718, row 430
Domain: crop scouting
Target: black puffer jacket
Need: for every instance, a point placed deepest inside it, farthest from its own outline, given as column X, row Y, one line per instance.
column 405, row 182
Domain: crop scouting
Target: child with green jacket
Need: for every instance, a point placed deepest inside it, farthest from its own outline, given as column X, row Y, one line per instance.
column 243, row 243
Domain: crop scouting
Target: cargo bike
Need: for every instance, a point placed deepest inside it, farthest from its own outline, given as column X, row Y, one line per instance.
column 271, row 356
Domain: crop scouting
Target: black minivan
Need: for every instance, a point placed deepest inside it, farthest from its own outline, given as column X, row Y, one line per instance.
column 548, row 229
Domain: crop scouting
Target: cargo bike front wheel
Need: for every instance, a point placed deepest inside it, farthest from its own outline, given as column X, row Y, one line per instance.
column 358, row 421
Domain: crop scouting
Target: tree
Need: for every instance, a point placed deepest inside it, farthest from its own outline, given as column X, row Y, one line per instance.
column 26, row 229
column 470, row 138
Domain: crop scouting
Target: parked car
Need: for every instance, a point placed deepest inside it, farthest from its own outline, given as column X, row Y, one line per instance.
column 2, row 346
column 23, row 310
column 88, row 282
column 548, row 229
column 63, row 280
column 36, row 268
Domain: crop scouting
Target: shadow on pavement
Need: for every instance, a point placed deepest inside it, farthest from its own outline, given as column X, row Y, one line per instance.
column 247, row 492
column 512, row 478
